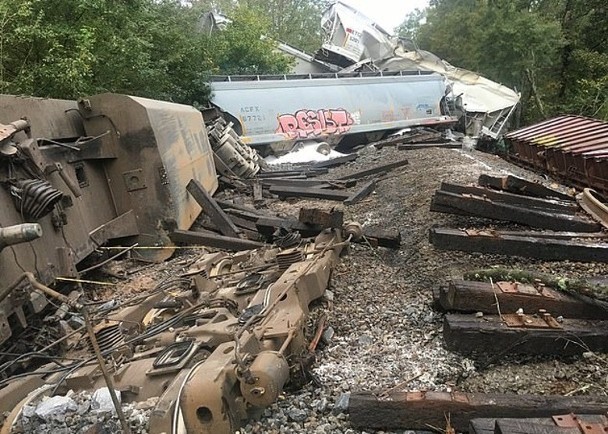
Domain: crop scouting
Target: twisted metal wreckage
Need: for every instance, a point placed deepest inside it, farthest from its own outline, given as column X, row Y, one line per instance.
column 213, row 345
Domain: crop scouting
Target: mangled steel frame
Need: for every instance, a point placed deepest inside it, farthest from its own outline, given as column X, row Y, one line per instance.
column 74, row 176
column 214, row 346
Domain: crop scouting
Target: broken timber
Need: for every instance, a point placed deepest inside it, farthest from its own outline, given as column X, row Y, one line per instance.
column 308, row 173
column 521, row 186
column 318, row 183
column 559, row 424
column 530, row 247
column 212, row 209
column 382, row 169
column 419, row 410
column 335, row 161
column 211, row 239
column 527, row 334
column 414, row 146
column 332, row 218
column 477, row 206
column 470, row 296
column 564, row 207
column 316, row 193
column 361, row 194
column 390, row 239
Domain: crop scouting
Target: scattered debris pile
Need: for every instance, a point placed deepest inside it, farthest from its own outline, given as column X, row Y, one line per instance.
column 231, row 325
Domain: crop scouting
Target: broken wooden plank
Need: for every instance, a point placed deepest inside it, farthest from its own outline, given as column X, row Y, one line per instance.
column 558, row 424
column 212, row 208
column 419, row 410
column 267, row 225
column 383, row 168
column 529, row 247
column 257, row 193
column 522, row 186
column 362, row 193
column 483, row 207
column 377, row 237
column 326, row 183
column 490, row 335
column 335, row 161
column 556, row 235
column 311, row 192
column 470, row 296
column 414, row 146
column 308, row 172
column 211, row 239
column 267, row 182
column 564, row 207
column 326, row 218
column 224, row 204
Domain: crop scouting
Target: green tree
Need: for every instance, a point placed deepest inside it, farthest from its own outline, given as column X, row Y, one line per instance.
column 554, row 51
column 152, row 48
column 243, row 47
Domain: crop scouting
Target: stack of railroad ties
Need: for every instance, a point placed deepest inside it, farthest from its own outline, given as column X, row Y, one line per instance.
column 497, row 312
column 572, row 231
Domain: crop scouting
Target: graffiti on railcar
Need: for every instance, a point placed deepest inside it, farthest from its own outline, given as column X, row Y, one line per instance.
column 308, row 123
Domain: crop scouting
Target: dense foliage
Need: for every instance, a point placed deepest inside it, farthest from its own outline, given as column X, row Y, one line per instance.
column 555, row 52
column 153, row 48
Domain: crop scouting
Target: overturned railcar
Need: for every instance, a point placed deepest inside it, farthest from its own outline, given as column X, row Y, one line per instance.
column 75, row 175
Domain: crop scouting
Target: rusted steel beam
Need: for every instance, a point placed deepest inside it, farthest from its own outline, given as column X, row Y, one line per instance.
column 558, row 424
column 207, row 238
column 563, row 207
column 528, row 247
column 522, row 186
column 212, row 209
column 316, row 193
column 508, row 297
column 419, row 410
column 384, row 168
column 491, row 334
column 362, row 193
column 482, row 207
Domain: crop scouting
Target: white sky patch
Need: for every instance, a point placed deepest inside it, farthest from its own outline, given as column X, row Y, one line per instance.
column 388, row 13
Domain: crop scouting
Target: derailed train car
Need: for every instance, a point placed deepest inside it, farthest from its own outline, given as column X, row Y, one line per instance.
column 75, row 175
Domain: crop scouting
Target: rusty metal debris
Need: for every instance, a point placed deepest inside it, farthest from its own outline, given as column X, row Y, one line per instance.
column 76, row 175
column 570, row 147
column 590, row 202
column 237, row 335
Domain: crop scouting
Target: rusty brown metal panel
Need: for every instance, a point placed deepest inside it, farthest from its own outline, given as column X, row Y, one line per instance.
column 159, row 146
column 573, row 147
column 50, row 118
